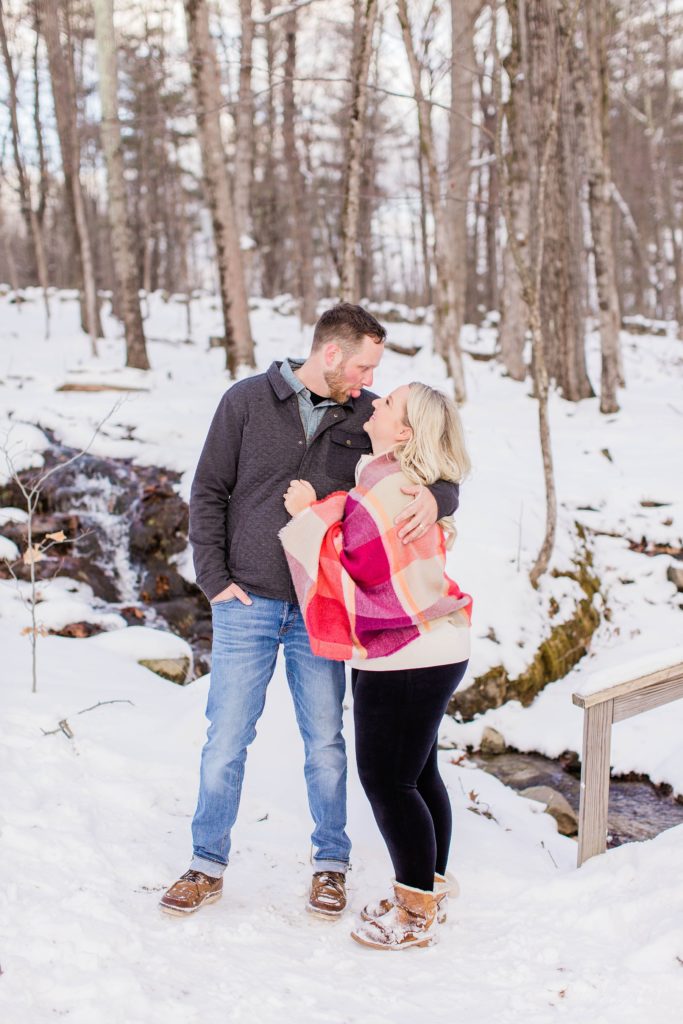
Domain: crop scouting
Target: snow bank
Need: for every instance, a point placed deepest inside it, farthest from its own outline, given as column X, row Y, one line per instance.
column 622, row 671
column 137, row 642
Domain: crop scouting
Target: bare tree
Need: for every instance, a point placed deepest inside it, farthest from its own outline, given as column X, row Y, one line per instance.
column 65, row 112
column 542, row 127
column 121, row 240
column 205, row 77
column 300, row 221
column 563, row 298
column 365, row 14
column 446, row 327
column 464, row 14
column 600, row 196
column 7, row 247
column 30, row 215
column 668, row 163
column 244, row 122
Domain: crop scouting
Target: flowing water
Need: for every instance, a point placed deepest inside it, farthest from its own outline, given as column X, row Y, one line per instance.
column 637, row 808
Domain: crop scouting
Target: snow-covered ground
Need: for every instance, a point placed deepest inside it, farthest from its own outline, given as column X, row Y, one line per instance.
column 94, row 827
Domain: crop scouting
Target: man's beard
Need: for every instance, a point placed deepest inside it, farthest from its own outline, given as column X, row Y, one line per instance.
column 338, row 385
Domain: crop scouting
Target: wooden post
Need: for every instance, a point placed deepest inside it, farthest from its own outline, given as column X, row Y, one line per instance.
column 597, row 728
column 601, row 709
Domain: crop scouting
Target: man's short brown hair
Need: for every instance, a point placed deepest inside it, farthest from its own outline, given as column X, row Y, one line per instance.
column 347, row 325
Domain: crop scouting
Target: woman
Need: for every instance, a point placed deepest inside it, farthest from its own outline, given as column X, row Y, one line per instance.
column 404, row 625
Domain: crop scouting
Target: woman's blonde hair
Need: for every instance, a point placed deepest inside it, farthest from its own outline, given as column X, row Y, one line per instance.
column 436, row 449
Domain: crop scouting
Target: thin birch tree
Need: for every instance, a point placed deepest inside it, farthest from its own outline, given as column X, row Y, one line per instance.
column 31, row 219
column 206, row 81
column 594, row 24
column 121, row 236
column 65, row 113
column 365, row 15
column 542, row 127
column 446, row 327
column 244, row 123
column 299, row 216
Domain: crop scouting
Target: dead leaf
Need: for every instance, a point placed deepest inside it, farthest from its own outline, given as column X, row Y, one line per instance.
column 458, row 760
column 33, row 555
column 57, row 537
column 38, row 631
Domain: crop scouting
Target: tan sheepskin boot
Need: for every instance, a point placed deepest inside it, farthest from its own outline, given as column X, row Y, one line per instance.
column 411, row 921
column 445, row 886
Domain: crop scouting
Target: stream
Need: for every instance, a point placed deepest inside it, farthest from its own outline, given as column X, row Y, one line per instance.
column 637, row 808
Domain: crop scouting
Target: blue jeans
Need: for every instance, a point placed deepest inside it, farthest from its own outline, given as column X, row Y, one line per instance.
column 246, row 639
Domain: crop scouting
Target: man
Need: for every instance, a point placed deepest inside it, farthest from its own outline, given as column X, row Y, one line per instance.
column 297, row 421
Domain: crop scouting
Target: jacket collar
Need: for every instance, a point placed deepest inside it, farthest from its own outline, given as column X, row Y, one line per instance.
column 284, row 390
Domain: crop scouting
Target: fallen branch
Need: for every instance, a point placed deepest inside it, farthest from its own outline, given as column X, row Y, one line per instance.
column 74, row 386
column 64, row 726
column 100, row 703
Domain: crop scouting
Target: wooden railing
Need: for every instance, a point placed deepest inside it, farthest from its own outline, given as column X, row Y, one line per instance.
column 602, row 708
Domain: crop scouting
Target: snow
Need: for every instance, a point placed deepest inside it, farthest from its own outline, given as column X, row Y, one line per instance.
column 138, row 642
column 12, row 515
column 21, row 444
column 59, row 602
column 100, row 825
column 618, row 672
column 93, row 828
column 8, row 550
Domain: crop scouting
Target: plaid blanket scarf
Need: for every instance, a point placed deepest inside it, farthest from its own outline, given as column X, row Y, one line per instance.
column 361, row 590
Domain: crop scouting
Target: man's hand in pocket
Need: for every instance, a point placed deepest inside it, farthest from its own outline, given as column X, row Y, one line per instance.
column 231, row 592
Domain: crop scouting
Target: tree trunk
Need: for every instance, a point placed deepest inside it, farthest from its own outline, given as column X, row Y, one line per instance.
column 268, row 213
column 424, row 235
column 668, row 163
column 37, row 122
column 639, row 265
column 244, row 124
column 33, row 228
column 541, row 128
column 446, row 325
column 491, row 291
column 514, row 320
column 563, row 292
column 206, row 81
column 366, row 14
column 7, row 247
column 299, row 218
column 599, row 198
column 89, row 228
column 464, row 14
column 122, row 247
column 65, row 113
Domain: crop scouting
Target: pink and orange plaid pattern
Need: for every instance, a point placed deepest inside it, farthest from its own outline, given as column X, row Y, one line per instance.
column 361, row 590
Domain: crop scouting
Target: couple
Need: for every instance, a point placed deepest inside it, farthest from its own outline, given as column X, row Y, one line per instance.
column 367, row 584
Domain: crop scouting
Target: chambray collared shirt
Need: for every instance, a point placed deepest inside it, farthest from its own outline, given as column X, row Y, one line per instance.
column 311, row 414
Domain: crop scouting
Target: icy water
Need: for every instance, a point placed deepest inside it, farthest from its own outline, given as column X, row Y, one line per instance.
column 637, row 809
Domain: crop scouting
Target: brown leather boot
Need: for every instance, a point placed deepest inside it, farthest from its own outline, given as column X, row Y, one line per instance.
column 190, row 892
column 328, row 894
column 410, row 922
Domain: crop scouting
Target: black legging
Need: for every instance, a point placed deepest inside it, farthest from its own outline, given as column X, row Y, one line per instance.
column 397, row 716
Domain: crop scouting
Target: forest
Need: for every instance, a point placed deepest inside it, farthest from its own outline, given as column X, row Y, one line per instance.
column 516, row 161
